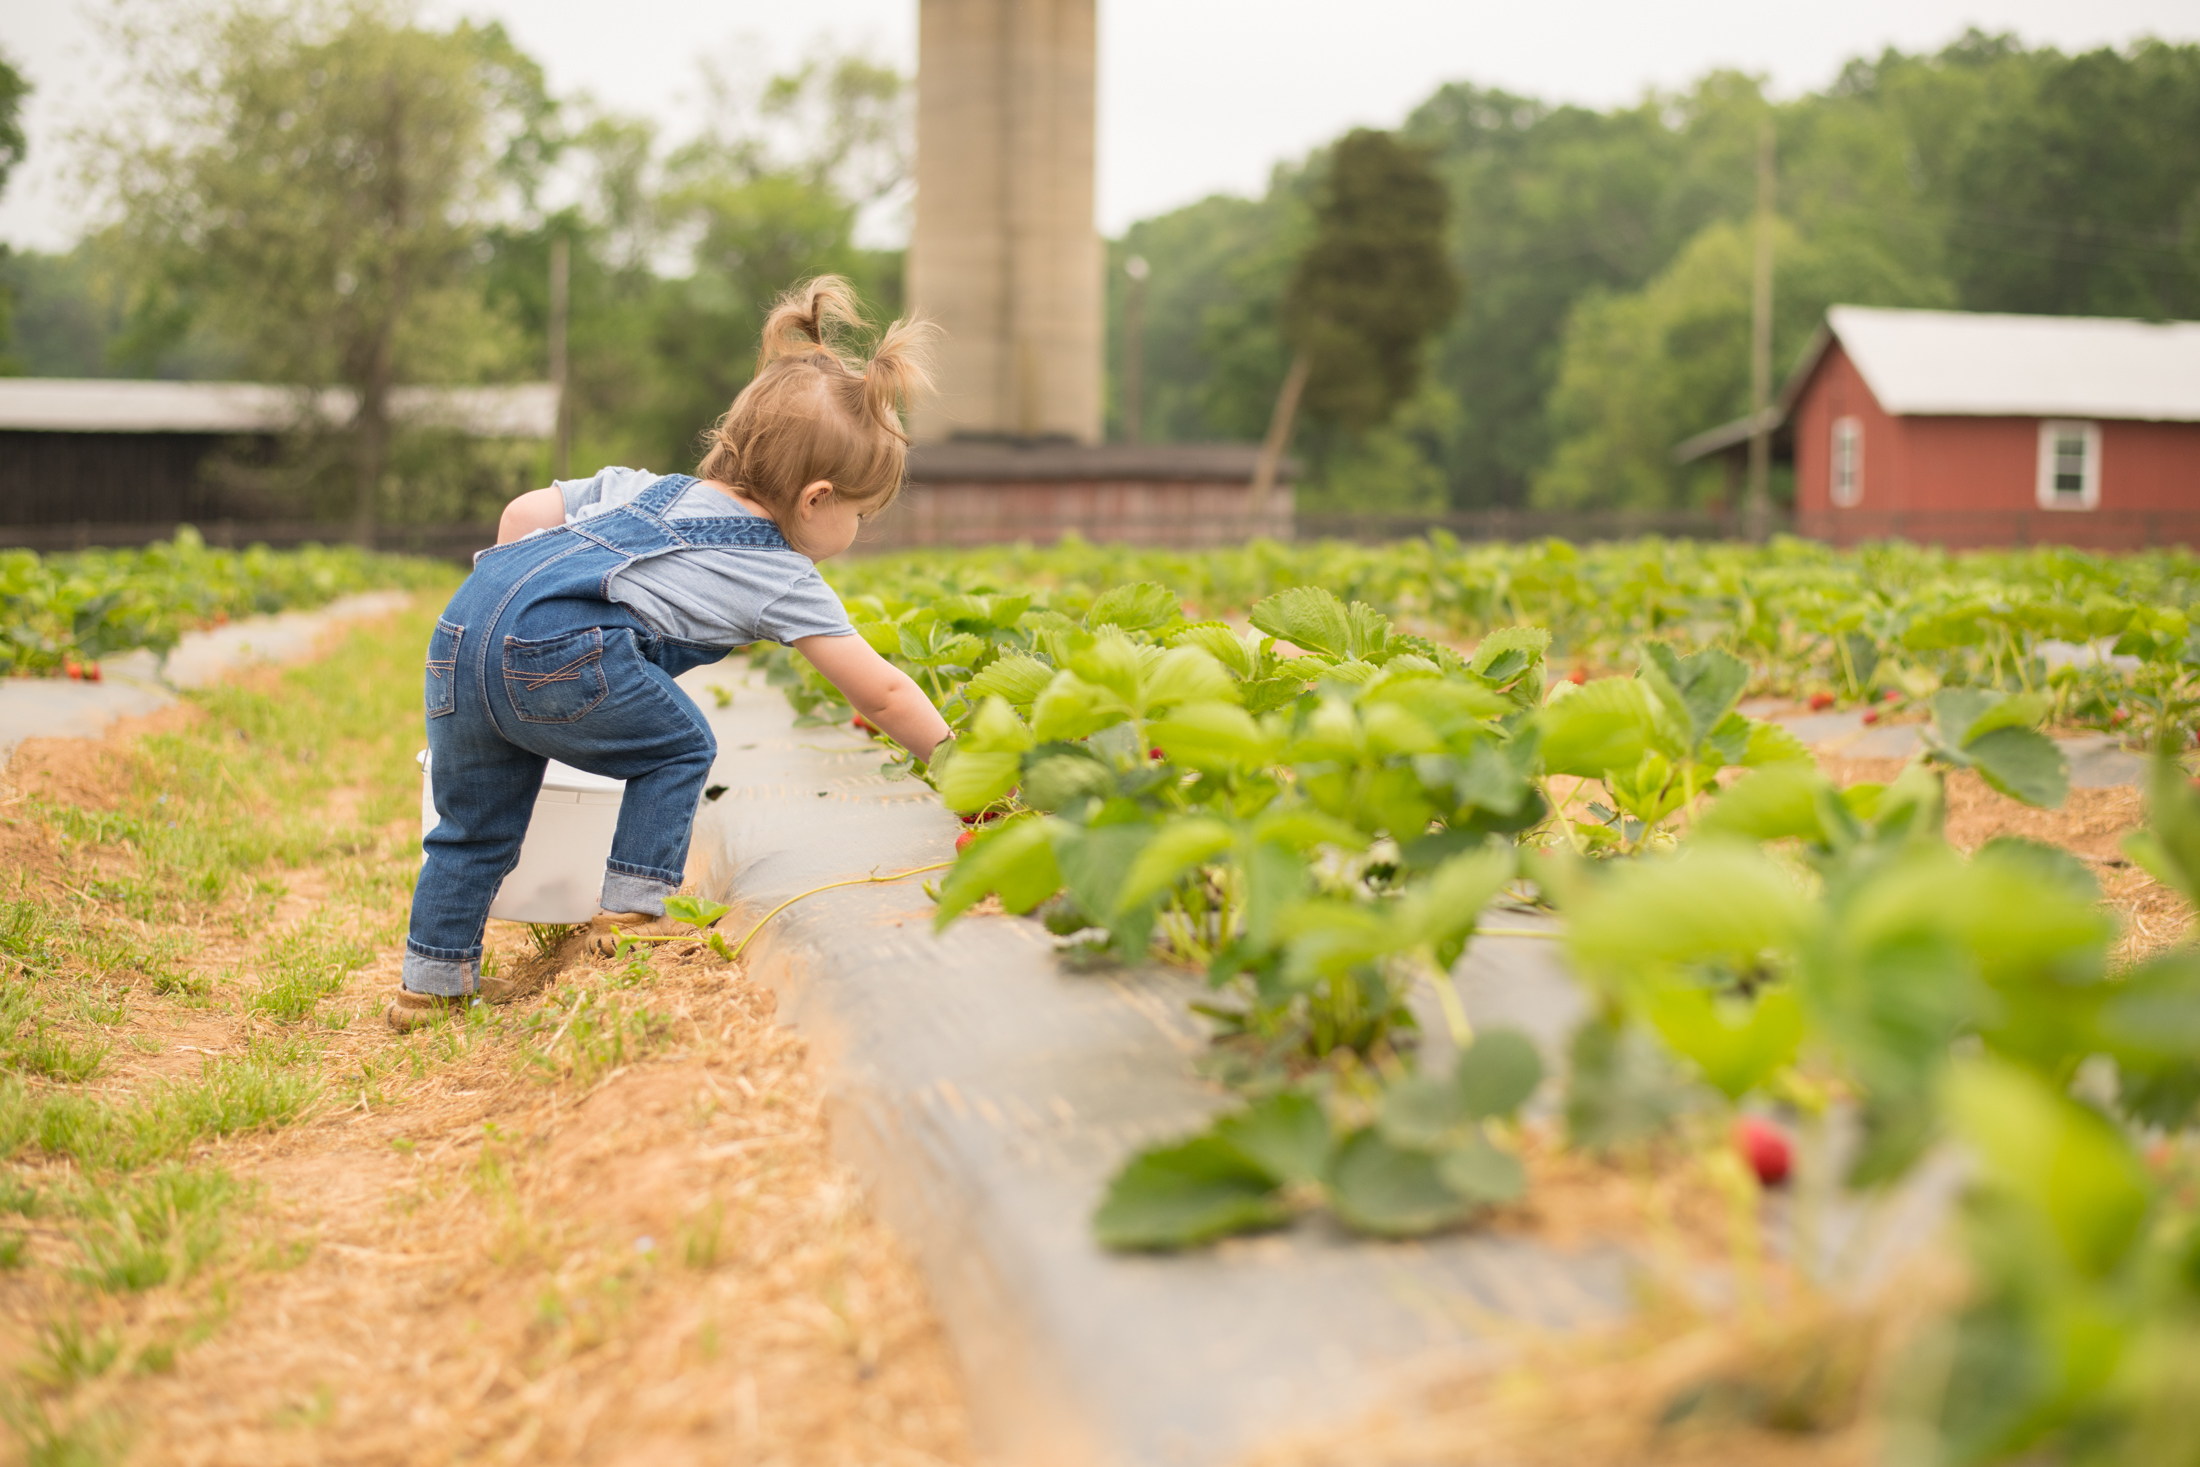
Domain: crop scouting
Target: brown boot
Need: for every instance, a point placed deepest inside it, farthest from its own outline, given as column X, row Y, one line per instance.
column 413, row 1010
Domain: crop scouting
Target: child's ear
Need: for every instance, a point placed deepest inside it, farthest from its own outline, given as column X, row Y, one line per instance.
column 814, row 494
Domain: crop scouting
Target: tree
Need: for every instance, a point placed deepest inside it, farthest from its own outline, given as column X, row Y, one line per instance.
column 1641, row 370
column 1374, row 284
column 771, row 194
column 13, row 89
column 1552, row 202
column 1209, row 370
column 2072, row 195
column 313, row 192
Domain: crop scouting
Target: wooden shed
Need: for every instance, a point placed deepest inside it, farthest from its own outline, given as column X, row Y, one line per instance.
column 115, row 461
column 1966, row 429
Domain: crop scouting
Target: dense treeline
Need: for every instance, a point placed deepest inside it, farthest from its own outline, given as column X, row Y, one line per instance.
column 1606, row 257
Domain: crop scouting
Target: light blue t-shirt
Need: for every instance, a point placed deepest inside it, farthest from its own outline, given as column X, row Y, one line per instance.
column 712, row 595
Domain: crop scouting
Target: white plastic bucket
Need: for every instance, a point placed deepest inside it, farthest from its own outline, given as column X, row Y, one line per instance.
column 560, row 873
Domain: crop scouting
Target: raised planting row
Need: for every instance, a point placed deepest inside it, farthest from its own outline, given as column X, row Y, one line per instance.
column 59, row 614
column 2107, row 639
column 1322, row 812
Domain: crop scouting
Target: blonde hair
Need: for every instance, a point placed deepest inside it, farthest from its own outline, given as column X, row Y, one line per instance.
column 811, row 413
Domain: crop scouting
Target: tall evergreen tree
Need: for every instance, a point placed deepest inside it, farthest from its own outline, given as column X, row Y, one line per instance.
column 1375, row 283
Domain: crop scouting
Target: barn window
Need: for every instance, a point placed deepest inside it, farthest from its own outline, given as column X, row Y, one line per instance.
column 1848, row 462
column 2070, row 465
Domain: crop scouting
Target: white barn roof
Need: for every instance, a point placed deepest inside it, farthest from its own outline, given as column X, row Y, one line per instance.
column 1969, row 364
column 111, row 405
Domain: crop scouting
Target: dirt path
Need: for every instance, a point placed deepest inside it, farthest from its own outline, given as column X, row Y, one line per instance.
column 650, row 1258
column 601, row 1225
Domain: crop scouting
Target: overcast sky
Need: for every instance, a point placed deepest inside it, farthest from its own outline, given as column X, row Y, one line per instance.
column 1196, row 96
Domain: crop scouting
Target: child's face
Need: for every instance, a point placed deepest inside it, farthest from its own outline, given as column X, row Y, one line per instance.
column 829, row 522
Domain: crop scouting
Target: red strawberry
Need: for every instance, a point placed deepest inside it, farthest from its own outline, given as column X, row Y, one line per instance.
column 863, row 725
column 1820, row 702
column 1890, row 695
column 92, row 673
column 962, row 842
column 1871, row 715
column 72, row 670
column 1156, row 753
column 1765, row 1147
column 1578, row 675
column 2119, row 716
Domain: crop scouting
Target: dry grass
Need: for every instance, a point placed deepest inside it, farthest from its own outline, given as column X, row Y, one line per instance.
column 1804, row 1386
column 665, row 1265
column 601, row 1225
column 2090, row 823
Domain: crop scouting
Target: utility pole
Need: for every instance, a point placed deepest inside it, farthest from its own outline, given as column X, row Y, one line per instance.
column 1757, row 507
column 1279, row 438
column 561, row 273
column 1134, row 349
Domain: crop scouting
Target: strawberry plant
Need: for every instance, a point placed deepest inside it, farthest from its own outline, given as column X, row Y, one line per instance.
column 1314, row 811
column 1315, row 804
column 1799, row 615
column 63, row 612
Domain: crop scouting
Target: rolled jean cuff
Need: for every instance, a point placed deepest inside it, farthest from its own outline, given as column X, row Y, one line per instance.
column 443, row 977
column 629, row 891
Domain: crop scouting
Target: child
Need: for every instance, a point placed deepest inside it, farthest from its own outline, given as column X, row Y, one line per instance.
column 565, row 640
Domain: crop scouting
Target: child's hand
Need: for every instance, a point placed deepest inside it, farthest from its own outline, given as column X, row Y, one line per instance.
column 878, row 690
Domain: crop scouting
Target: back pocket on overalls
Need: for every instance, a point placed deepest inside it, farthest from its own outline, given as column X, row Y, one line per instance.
column 443, row 667
column 555, row 681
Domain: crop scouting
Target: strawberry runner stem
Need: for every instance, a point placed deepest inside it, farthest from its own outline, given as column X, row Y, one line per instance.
column 718, row 943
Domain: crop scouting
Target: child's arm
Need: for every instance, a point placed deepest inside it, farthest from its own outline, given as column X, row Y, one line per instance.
column 880, row 691
column 538, row 509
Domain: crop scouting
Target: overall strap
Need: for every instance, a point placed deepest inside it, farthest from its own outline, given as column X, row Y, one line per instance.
column 661, row 496
column 742, row 531
column 724, row 531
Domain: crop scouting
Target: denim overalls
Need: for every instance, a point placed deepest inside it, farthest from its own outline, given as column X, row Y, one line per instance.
column 532, row 661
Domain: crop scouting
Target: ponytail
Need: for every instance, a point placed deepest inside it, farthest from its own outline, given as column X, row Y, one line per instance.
column 811, row 318
column 898, row 374
column 814, row 411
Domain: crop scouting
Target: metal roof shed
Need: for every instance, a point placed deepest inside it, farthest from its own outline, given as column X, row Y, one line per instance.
column 98, row 451
column 1973, row 429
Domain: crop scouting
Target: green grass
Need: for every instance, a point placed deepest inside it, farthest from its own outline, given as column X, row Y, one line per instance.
column 56, row 1056
column 161, row 1228
column 214, row 812
column 584, row 1033
column 70, row 1353
column 29, row 1046
column 92, row 1440
column 224, row 806
column 309, row 769
column 304, row 967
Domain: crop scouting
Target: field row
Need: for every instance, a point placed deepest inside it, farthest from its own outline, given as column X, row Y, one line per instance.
column 62, row 613
column 1321, row 809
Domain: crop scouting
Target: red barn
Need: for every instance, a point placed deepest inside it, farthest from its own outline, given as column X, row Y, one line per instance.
column 1967, row 429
